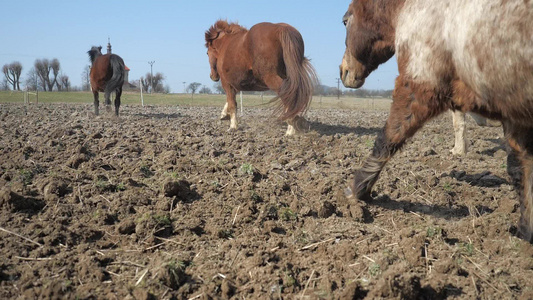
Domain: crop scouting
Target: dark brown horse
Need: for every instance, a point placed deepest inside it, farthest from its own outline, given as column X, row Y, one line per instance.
column 461, row 55
column 266, row 57
column 107, row 75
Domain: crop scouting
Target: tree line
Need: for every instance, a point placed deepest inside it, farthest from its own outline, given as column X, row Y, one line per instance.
column 320, row 89
column 45, row 75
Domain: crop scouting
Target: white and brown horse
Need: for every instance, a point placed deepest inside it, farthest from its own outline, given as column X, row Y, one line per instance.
column 461, row 55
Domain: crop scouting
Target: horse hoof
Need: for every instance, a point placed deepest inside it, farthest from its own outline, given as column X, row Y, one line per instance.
column 348, row 193
column 457, row 152
column 362, row 195
column 302, row 125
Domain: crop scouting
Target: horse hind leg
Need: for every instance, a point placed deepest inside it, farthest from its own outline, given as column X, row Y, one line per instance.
column 117, row 100
column 459, row 126
column 231, row 108
column 96, row 103
column 107, row 101
column 296, row 125
column 520, row 169
column 224, row 115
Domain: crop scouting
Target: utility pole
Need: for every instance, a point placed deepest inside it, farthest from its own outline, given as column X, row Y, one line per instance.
column 151, row 75
column 184, row 86
column 338, row 88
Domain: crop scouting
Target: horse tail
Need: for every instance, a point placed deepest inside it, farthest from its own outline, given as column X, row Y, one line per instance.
column 296, row 90
column 117, row 79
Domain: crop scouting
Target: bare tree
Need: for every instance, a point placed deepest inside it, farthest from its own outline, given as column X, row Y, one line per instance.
column 54, row 64
column 218, row 88
column 12, row 73
column 42, row 67
column 86, row 85
column 205, row 90
column 144, row 84
column 193, row 86
column 4, row 85
column 32, row 80
column 65, row 82
column 157, row 82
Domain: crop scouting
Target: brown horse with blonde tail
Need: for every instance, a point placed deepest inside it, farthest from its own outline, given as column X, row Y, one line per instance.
column 460, row 55
column 266, row 57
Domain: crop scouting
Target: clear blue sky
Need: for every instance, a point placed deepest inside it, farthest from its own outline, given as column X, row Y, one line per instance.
column 171, row 33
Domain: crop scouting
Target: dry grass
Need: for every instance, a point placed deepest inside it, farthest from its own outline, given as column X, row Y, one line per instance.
column 132, row 98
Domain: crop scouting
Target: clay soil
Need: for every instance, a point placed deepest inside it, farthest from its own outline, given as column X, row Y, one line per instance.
column 164, row 202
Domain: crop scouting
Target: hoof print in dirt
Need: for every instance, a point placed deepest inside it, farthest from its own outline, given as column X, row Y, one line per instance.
column 18, row 203
column 180, row 189
column 326, row 209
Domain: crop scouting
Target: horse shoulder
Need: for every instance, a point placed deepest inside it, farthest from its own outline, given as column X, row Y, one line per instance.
column 420, row 41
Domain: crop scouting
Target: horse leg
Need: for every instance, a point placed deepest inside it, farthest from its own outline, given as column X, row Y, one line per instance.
column 291, row 128
column 459, row 126
column 118, row 93
column 224, row 115
column 482, row 121
column 409, row 110
column 297, row 124
column 274, row 83
column 520, row 169
column 96, row 102
column 231, row 107
column 107, row 97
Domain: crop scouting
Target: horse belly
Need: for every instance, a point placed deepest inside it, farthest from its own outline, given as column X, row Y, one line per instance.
column 495, row 57
column 252, row 83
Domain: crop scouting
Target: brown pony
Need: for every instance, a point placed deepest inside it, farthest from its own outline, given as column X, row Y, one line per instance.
column 266, row 57
column 107, row 75
column 461, row 55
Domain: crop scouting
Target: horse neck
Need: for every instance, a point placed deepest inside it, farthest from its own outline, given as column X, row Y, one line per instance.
column 94, row 56
column 387, row 11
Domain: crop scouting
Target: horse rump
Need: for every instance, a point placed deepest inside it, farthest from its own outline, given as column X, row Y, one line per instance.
column 296, row 90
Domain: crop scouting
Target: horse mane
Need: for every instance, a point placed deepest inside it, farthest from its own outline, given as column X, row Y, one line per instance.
column 94, row 53
column 221, row 26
